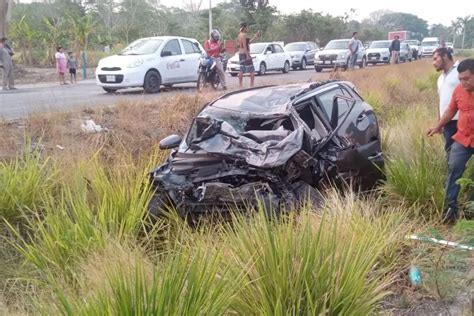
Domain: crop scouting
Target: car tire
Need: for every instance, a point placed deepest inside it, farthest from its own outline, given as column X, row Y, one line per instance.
column 286, row 67
column 201, row 82
column 152, row 82
column 318, row 69
column 233, row 74
column 109, row 90
column 303, row 64
column 262, row 69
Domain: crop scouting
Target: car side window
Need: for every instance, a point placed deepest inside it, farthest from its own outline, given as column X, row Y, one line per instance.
column 173, row 47
column 326, row 99
column 278, row 49
column 190, row 47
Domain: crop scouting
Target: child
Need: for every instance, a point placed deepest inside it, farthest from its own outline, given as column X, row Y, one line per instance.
column 72, row 65
column 61, row 64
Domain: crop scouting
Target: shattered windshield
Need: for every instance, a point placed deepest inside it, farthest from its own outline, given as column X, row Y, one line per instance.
column 142, row 47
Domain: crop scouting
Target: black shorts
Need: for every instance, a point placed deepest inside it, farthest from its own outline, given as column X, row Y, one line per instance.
column 246, row 64
column 72, row 71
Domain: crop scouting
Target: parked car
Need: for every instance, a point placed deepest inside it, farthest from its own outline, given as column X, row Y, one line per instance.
column 450, row 47
column 149, row 63
column 336, row 55
column 415, row 48
column 405, row 52
column 429, row 45
column 378, row 52
column 275, row 144
column 266, row 56
column 302, row 53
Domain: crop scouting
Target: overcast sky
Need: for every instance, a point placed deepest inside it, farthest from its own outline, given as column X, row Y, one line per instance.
column 431, row 11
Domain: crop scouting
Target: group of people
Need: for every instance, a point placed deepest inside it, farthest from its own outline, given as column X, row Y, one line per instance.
column 213, row 48
column 63, row 63
column 355, row 46
column 456, row 122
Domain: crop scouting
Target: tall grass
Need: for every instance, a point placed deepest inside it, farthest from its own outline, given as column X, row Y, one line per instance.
column 311, row 265
column 24, row 183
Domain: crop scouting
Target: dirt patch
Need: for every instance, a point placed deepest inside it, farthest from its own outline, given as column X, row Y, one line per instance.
column 29, row 75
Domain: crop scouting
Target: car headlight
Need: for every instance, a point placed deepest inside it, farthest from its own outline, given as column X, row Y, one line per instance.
column 343, row 56
column 135, row 63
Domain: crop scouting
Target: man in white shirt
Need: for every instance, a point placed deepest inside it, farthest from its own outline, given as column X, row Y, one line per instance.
column 353, row 48
column 447, row 82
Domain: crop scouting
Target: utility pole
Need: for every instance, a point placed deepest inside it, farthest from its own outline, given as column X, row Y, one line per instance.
column 210, row 16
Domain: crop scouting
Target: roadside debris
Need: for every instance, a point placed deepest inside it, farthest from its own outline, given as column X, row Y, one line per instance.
column 90, row 126
column 451, row 244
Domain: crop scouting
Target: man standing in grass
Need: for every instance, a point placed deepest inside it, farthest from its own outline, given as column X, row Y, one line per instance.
column 447, row 82
column 462, row 149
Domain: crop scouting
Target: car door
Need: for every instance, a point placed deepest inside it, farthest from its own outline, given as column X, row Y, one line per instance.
column 280, row 56
column 269, row 56
column 313, row 48
column 172, row 62
column 190, row 65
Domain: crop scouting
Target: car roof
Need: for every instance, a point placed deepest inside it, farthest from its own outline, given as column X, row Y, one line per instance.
column 268, row 100
column 340, row 40
column 380, row 41
column 167, row 37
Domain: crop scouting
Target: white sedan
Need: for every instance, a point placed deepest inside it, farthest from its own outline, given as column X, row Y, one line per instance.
column 150, row 63
column 265, row 56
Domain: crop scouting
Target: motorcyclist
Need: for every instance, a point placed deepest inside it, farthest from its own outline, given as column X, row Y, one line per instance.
column 213, row 47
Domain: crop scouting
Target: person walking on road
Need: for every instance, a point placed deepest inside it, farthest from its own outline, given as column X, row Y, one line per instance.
column 6, row 63
column 448, row 80
column 72, row 66
column 61, row 65
column 213, row 47
column 353, row 48
column 246, row 62
column 462, row 149
column 394, row 50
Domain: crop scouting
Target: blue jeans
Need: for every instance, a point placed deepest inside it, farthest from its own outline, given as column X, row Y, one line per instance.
column 352, row 60
column 448, row 131
column 457, row 161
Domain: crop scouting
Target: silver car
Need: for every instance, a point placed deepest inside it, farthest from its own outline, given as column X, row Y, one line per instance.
column 336, row 55
column 405, row 53
column 302, row 53
column 378, row 52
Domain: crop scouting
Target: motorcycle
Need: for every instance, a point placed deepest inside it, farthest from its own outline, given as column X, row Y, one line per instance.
column 208, row 71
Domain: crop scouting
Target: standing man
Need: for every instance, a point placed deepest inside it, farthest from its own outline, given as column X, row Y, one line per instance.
column 394, row 50
column 246, row 63
column 213, row 49
column 447, row 82
column 353, row 48
column 462, row 148
column 6, row 63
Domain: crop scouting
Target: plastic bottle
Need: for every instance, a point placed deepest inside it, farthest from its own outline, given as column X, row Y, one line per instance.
column 415, row 276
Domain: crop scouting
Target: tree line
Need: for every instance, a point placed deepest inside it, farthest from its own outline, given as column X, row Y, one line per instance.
column 36, row 29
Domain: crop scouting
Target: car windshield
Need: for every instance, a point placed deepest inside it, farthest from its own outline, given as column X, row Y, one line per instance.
column 337, row 45
column 257, row 48
column 412, row 42
column 295, row 47
column 429, row 44
column 142, row 47
column 384, row 44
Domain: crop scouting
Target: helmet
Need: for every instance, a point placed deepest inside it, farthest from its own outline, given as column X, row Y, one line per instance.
column 215, row 35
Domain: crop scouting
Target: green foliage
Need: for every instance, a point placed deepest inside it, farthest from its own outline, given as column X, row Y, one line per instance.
column 429, row 83
column 24, row 184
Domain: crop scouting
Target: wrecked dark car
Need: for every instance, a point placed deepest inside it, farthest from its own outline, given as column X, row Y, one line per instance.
column 275, row 145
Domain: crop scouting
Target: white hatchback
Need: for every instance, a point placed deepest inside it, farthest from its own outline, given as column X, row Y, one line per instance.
column 265, row 56
column 150, row 63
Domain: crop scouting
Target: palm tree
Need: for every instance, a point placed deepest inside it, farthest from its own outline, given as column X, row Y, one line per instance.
column 455, row 27
column 82, row 28
column 463, row 23
column 24, row 35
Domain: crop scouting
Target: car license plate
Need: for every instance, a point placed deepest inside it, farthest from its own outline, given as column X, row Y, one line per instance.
column 110, row 78
column 373, row 58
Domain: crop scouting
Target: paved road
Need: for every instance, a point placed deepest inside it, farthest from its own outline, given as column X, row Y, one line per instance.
column 51, row 97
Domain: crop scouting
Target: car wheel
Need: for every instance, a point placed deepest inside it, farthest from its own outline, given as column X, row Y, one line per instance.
column 262, row 69
column 109, row 90
column 318, row 69
column 152, row 82
column 286, row 67
column 303, row 64
column 201, row 82
column 233, row 74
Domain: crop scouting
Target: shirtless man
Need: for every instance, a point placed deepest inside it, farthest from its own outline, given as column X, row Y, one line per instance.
column 246, row 63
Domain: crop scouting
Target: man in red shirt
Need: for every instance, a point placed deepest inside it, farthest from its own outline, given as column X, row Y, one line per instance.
column 213, row 48
column 462, row 101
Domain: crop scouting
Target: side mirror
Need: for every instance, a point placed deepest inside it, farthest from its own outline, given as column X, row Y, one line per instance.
column 166, row 53
column 170, row 142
